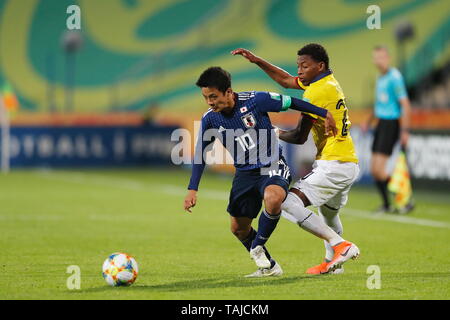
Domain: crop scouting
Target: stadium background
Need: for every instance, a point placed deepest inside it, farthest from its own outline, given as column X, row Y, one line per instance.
column 115, row 101
column 138, row 60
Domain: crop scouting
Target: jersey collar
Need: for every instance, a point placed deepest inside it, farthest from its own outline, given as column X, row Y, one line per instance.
column 387, row 72
column 322, row 75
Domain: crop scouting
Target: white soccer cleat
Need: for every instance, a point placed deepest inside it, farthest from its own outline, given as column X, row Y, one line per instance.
column 258, row 254
column 276, row 271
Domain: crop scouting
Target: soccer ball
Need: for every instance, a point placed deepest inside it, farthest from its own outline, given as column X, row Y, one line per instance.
column 120, row 269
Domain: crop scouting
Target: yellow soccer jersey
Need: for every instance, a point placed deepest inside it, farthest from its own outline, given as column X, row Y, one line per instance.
column 325, row 92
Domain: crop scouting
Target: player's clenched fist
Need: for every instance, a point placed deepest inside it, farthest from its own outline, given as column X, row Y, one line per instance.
column 190, row 200
column 246, row 54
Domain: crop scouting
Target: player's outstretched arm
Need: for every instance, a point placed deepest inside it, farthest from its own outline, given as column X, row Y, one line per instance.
column 303, row 106
column 299, row 134
column 274, row 102
column 280, row 76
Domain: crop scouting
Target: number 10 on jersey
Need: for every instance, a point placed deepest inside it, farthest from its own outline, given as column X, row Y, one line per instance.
column 246, row 142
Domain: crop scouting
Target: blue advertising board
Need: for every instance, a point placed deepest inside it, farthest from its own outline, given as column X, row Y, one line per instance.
column 90, row 146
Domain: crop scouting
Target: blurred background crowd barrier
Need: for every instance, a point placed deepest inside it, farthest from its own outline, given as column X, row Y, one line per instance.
column 111, row 92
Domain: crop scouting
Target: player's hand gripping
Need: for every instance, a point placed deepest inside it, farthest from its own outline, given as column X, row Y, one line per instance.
column 330, row 125
column 190, row 200
column 247, row 54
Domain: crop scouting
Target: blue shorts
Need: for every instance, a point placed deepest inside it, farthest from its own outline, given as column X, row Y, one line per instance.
column 247, row 192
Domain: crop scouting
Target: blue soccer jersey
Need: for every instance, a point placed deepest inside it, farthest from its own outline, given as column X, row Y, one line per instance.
column 390, row 89
column 246, row 132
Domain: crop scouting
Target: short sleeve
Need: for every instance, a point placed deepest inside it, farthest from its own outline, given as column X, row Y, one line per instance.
column 399, row 86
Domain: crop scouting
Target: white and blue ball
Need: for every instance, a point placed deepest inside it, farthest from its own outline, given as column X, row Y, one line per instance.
column 120, row 269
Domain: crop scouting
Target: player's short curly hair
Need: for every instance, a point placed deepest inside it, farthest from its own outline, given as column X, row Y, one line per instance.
column 215, row 77
column 317, row 52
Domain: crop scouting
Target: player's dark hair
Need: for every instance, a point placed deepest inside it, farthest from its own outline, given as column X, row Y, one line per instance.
column 215, row 77
column 317, row 52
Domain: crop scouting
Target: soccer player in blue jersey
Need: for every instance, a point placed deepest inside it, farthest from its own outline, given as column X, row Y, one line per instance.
column 241, row 122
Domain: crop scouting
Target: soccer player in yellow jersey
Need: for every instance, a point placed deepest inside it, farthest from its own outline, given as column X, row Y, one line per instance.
column 336, row 166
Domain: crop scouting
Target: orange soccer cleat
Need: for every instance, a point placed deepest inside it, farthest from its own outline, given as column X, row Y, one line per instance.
column 322, row 269
column 319, row 269
column 342, row 252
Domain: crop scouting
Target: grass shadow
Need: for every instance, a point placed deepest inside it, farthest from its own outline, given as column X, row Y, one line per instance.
column 210, row 283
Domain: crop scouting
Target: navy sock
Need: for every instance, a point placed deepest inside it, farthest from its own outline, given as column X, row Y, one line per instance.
column 248, row 244
column 248, row 241
column 266, row 224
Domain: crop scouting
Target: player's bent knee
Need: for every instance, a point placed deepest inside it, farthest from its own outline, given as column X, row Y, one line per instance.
column 273, row 201
column 374, row 171
column 238, row 232
column 273, row 198
column 377, row 173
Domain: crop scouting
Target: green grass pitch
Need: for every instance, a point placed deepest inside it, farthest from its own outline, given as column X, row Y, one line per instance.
column 50, row 220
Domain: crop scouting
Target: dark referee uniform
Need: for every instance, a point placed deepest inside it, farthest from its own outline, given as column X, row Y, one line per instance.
column 390, row 89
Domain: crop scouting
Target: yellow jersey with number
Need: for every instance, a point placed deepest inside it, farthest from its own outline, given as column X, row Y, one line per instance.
column 325, row 92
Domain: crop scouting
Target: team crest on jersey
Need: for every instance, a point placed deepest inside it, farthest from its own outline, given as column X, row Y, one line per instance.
column 249, row 120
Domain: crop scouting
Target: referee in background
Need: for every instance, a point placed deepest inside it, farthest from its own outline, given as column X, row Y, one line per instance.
column 392, row 111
